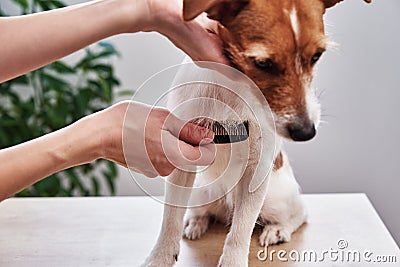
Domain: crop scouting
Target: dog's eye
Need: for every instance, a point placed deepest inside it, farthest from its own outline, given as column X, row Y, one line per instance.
column 315, row 58
column 267, row 65
column 228, row 55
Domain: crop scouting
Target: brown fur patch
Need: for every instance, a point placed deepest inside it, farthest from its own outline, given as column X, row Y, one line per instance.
column 278, row 161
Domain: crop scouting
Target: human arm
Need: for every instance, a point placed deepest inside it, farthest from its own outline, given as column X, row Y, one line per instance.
column 100, row 136
column 32, row 41
column 29, row 42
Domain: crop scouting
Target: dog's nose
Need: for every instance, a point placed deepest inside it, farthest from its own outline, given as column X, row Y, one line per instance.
column 302, row 132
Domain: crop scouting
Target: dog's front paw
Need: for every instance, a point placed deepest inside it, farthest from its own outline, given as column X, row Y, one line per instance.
column 166, row 256
column 274, row 234
column 196, row 227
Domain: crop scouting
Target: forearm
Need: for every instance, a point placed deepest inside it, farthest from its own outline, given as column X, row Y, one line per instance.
column 31, row 41
column 27, row 163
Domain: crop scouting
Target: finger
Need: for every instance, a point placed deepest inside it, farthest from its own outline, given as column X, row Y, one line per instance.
column 198, row 42
column 188, row 132
column 203, row 155
column 179, row 153
column 150, row 174
column 210, row 48
column 166, row 169
column 195, row 134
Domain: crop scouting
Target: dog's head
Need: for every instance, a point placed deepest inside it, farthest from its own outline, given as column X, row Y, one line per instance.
column 277, row 44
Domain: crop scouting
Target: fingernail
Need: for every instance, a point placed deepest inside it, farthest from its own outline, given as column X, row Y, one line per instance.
column 208, row 134
column 206, row 141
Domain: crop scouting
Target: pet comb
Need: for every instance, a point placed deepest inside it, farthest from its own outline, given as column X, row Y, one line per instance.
column 226, row 132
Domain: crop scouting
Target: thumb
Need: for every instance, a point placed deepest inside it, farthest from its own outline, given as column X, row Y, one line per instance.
column 195, row 134
column 202, row 155
column 207, row 44
column 189, row 132
column 180, row 153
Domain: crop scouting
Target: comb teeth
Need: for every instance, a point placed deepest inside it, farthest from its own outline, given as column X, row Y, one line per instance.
column 230, row 131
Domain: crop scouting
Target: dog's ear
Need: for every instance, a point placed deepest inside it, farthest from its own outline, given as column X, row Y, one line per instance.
column 221, row 10
column 331, row 3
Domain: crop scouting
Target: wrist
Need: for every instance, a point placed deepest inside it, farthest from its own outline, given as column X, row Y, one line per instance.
column 107, row 127
column 81, row 143
column 116, row 16
column 134, row 15
column 160, row 16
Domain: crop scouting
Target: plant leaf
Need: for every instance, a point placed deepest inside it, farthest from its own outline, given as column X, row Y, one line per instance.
column 63, row 92
column 126, row 92
column 112, row 167
column 22, row 3
column 48, row 187
column 110, row 181
column 62, row 67
column 75, row 180
column 57, row 4
column 95, row 186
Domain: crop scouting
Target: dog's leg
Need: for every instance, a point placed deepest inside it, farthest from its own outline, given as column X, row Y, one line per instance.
column 247, row 208
column 220, row 175
column 165, row 252
column 283, row 209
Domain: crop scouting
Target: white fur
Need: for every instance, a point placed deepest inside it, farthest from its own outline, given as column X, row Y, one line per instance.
column 295, row 23
column 313, row 106
column 281, row 207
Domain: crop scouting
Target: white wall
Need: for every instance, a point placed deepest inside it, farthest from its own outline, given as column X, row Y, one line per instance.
column 357, row 149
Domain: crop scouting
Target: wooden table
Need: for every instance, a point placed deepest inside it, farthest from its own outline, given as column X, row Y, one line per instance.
column 120, row 231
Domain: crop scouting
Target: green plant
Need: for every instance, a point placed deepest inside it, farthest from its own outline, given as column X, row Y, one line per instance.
column 54, row 96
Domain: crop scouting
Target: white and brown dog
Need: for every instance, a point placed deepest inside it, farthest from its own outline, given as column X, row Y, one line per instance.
column 276, row 44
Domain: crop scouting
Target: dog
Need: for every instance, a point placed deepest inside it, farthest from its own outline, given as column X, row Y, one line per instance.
column 276, row 44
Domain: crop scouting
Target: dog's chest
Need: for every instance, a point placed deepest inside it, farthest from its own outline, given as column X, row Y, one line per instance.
column 200, row 92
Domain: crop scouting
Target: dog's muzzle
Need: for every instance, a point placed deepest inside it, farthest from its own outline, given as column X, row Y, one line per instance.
column 302, row 132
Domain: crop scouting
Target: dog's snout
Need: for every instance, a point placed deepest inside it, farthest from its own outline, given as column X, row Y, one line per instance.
column 302, row 132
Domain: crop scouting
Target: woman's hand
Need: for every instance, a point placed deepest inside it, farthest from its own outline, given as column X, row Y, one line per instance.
column 150, row 140
column 193, row 37
column 151, row 144
column 32, row 41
